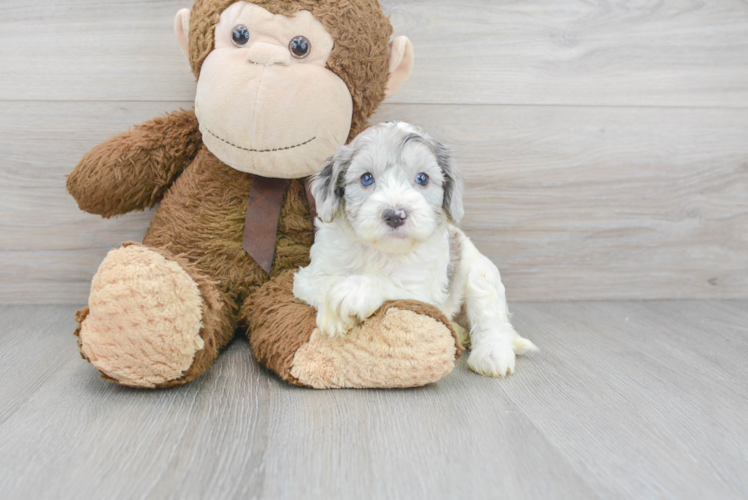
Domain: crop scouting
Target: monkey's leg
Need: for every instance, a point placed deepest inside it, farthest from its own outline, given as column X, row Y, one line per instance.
column 404, row 344
column 152, row 319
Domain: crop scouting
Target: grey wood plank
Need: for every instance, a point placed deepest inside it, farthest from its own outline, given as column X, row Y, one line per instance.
column 460, row 438
column 479, row 51
column 655, row 423
column 239, row 432
column 608, row 409
column 614, row 203
column 714, row 331
column 93, row 50
column 572, row 203
column 576, row 52
column 37, row 342
column 80, row 437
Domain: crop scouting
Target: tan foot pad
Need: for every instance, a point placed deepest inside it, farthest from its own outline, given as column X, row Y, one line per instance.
column 399, row 348
column 144, row 318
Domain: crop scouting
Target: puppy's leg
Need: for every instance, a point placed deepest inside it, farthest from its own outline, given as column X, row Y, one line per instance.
column 494, row 340
column 341, row 301
column 349, row 300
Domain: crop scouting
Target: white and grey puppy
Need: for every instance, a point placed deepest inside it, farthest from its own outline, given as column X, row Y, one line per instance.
column 388, row 206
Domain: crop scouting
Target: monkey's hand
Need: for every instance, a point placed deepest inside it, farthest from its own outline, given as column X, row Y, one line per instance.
column 349, row 301
column 133, row 170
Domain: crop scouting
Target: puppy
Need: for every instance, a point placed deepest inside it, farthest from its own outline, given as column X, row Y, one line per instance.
column 388, row 206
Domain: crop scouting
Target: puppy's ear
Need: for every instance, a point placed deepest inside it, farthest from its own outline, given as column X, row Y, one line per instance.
column 454, row 185
column 328, row 184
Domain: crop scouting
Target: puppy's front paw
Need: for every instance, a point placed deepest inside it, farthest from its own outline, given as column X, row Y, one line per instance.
column 356, row 297
column 492, row 359
column 351, row 300
column 332, row 324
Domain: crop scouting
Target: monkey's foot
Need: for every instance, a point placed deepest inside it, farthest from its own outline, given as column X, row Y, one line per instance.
column 404, row 344
column 144, row 318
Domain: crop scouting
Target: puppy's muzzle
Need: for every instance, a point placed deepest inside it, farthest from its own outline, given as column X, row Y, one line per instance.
column 394, row 218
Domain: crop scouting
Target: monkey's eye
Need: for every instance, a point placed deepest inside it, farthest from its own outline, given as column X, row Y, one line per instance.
column 422, row 179
column 300, row 47
column 367, row 179
column 240, row 35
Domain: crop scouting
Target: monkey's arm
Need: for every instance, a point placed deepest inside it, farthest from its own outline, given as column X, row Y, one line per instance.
column 133, row 170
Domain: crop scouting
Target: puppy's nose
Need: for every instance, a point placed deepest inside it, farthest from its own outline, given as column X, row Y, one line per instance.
column 395, row 218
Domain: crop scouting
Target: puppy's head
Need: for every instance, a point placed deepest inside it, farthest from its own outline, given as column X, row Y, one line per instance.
column 394, row 184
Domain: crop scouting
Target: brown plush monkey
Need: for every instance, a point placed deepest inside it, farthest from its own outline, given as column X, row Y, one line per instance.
column 280, row 85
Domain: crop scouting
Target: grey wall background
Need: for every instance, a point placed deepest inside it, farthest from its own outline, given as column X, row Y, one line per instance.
column 605, row 144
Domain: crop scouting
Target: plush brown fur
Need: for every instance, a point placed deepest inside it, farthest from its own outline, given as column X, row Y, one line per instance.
column 426, row 310
column 360, row 56
column 200, row 221
column 203, row 217
column 218, row 320
column 280, row 325
column 395, row 347
column 133, row 170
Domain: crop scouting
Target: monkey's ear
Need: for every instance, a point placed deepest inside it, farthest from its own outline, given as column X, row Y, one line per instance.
column 401, row 64
column 182, row 29
column 328, row 184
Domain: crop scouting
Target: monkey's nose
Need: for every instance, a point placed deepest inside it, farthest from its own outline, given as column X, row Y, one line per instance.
column 268, row 53
column 395, row 218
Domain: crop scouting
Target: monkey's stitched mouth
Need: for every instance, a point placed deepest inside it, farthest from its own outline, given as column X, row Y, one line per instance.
column 260, row 150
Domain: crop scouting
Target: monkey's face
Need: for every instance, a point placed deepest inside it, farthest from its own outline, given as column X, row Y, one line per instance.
column 265, row 100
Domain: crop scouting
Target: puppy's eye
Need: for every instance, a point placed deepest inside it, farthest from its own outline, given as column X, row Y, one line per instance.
column 422, row 179
column 240, row 35
column 367, row 179
column 300, row 47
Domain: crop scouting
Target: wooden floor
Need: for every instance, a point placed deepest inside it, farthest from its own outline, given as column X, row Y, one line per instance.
column 625, row 400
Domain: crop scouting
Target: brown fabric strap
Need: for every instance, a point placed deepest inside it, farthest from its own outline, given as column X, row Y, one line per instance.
column 263, row 213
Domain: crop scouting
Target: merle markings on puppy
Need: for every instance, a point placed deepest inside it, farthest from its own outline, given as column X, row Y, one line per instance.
column 388, row 206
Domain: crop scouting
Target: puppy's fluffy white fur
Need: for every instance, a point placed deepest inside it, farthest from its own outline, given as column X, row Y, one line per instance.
column 360, row 259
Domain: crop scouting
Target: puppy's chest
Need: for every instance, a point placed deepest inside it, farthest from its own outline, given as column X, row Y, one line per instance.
column 422, row 276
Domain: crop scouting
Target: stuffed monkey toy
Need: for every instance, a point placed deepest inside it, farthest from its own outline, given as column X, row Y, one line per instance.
column 281, row 84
